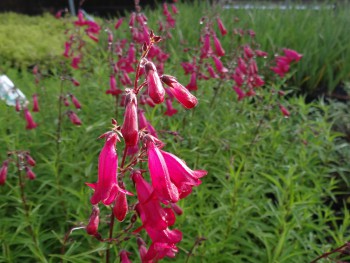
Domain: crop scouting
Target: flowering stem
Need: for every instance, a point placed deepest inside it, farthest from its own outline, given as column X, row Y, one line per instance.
column 198, row 241
column 111, row 225
column 325, row 255
column 26, row 208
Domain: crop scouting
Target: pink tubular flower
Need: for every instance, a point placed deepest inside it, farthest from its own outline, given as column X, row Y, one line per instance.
column 67, row 47
column 170, row 110
column 3, row 172
column 155, row 87
column 183, row 177
column 260, row 53
column 219, row 66
column 165, row 189
column 193, row 82
column 130, row 129
column 221, row 26
column 113, row 90
column 218, row 48
column 74, row 118
column 75, row 62
column 180, row 92
column 292, row 55
column 75, row 82
column 239, row 92
column 106, row 188
column 144, row 124
column 120, row 207
column 151, row 212
column 30, row 122
column 35, row 103
column 30, row 174
column 124, row 256
column 30, row 160
column 284, row 111
column 18, row 105
column 75, row 101
column 248, row 52
column 119, row 23
column 94, row 221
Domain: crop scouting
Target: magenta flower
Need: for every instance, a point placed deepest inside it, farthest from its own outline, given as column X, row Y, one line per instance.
column 151, row 212
column 118, row 23
column 120, row 207
column 165, row 189
column 218, row 48
column 106, row 188
column 144, row 124
column 292, row 55
column 30, row 122
column 284, row 111
column 239, row 92
column 193, row 82
column 35, row 103
column 113, row 90
column 181, row 175
column 75, row 62
column 30, row 160
column 124, row 256
column 180, row 92
column 155, row 87
column 248, row 52
column 3, row 172
column 261, row 53
column 74, row 118
column 219, row 66
column 130, row 129
column 30, row 174
column 67, row 47
column 221, row 26
column 170, row 110
column 75, row 82
column 75, row 101
column 94, row 221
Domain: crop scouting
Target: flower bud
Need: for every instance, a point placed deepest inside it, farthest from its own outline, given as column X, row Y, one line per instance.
column 30, row 174
column 130, row 127
column 75, row 101
column 124, row 256
column 30, row 160
column 94, row 220
column 155, row 87
column 30, row 122
column 74, row 118
column 3, row 172
column 120, row 206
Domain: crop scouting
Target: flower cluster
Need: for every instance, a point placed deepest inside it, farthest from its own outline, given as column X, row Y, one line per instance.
column 23, row 160
column 170, row 178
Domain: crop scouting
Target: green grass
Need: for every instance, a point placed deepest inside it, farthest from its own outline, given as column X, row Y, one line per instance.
column 271, row 183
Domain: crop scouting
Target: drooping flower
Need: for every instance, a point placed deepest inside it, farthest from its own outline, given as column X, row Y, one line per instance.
column 144, row 124
column 92, row 226
column 120, row 207
column 180, row 92
column 130, row 127
column 165, row 189
column 106, row 187
column 30, row 174
column 113, row 90
column 118, row 23
column 124, row 256
column 181, row 175
column 292, row 55
column 221, row 26
column 155, row 87
column 75, row 101
column 74, row 118
column 30, row 122
column 284, row 111
column 218, row 48
column 170, row 110
column 67, row 46
column 219, row 66
column 239, row 92
column 3, row 172
column 193, row 82
column 30, row 160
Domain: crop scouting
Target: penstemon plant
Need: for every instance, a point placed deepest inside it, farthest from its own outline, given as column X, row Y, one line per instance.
column 171, row 179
